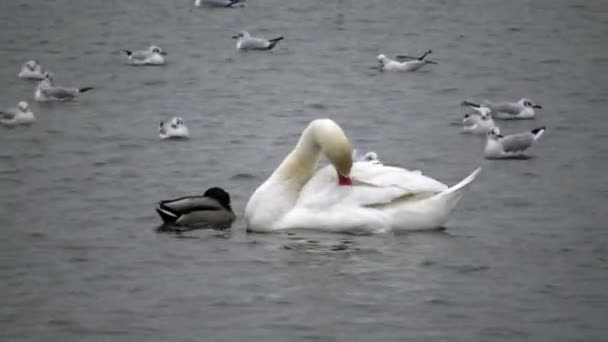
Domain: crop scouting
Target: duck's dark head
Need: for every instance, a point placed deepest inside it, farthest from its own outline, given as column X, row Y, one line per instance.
column 220, row 195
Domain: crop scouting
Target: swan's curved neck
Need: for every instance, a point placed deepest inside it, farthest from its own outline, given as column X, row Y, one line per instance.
column 300, row 164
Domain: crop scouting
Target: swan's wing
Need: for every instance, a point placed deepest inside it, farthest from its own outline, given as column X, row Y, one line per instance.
column 390, row 176
column 374, row 184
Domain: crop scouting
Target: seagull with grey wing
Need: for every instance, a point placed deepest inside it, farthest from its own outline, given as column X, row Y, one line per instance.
column 510, row 146
column 404, row 62
column 219, row 3
column 22, row 115
column 247, row 42
column 479, row 122
column 152, row 56
column 46, row 91
column 31, row 70
column 522, row 109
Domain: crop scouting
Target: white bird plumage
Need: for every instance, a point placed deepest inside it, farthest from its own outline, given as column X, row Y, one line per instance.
column 175, row 128
column 219, row 3
column 46, row 91
column 510, row 146
column 31, row 70
column 478, row 123
column 408, row 64
column 22, row 115
column 246, row 41
column 380, row 198
column 153, row 56
column 522, row 109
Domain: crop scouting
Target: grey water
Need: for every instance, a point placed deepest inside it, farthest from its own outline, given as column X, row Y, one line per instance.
column 524, row 257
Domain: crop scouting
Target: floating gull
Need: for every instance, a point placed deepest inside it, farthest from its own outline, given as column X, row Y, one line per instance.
column 47, row 92
column 219, row 3
column 409, row 63
column 247, row 42
column 498, row 146
column 31, row 70
column 371, row 157
column 522, row 109
column 175, row 128
column 152, row 56
column 477, row 123
column 22, row 115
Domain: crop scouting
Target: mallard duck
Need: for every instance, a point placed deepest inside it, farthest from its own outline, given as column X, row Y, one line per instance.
column 212, row 209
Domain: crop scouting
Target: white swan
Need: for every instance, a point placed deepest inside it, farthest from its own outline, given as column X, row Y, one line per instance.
column 345, row 196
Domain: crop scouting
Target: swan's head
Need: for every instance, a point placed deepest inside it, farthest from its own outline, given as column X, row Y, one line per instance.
column 241, row 35
column 527, row 103
column 334, row 145
column 219, row 195
column 23, row 106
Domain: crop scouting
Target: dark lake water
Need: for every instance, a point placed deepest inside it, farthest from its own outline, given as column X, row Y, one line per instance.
column 524, row 256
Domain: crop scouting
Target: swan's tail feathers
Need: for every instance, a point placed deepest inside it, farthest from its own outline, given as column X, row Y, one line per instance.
column 129, row 53
column 538, row 132
column 451, row 196
column 463, row 183
column 166, row 215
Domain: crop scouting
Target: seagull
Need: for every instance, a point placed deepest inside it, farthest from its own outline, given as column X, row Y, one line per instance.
column 477, row 123
column 47, row 92
column 371, row 157
column 498, row 146
column 247, row 42
column 522, row 109
column 152, row 56
column 219, row 3
column 31, row 70
column 22, row 115
column 175, row 128
column 409, row 63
